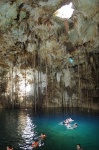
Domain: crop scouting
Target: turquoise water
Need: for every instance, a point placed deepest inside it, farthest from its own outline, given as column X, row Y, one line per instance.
column 18, row 127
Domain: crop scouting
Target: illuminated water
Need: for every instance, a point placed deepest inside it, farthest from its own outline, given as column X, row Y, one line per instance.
column 19, row 127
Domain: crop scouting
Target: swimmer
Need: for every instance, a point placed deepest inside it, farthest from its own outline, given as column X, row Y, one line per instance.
column 70, row 120
column 9, row 147
column 75, row 125
column 79, row 147
column 68, row 125
column 43, row 135
column 35, row 144
column 66, row 121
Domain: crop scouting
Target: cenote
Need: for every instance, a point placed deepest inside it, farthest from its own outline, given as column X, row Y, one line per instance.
column 18, row 127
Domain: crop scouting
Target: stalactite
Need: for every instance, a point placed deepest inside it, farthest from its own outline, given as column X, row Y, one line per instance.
column 25, row 87
column 87, row 100
column 71, row 103
column 46, row 83
column 40, row 80
column 12, row 101
column 34, row 92
column 79, row 84
column 1, row 85
column 86, row 68
column 33, row 80
column 38, row 76
column 52, row 84
column 66, row 25
column 15, row 87
column 34, row 83
column 62, row 91
column 61, row 88
column 62, row 99
column 18, row 88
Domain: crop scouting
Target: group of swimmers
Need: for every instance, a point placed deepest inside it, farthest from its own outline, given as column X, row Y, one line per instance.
column 68, row 121
column 38, row 140
column 35, row 144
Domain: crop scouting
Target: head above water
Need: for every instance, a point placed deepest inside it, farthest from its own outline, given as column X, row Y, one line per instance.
column 9, row 147
column 78, row 146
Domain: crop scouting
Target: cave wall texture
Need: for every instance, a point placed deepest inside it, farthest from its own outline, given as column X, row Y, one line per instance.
column 47, row 61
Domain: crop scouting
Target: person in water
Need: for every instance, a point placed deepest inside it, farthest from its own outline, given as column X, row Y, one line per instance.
column 75, row 125
column 68, row 120
column 35, row 144
column 9, row 147
column 68, row 125
column 43, row 136
column 79, row 147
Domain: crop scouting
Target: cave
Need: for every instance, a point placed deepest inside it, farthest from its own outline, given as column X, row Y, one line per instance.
column 49, row 74
column 49, row 60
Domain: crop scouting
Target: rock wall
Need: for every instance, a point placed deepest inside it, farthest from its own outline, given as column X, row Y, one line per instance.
column 46, row 61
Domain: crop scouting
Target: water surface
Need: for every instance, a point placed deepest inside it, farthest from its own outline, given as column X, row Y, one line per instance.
column 18, row 127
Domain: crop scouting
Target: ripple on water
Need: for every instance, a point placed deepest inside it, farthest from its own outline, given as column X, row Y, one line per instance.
column 18, row 128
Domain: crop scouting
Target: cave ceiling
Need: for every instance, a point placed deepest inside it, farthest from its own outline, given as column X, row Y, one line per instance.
column 30, row 32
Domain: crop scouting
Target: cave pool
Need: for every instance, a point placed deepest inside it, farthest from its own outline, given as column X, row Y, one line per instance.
column 18, row 127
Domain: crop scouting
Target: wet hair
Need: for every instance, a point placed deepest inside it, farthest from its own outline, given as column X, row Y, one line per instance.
column 10, row 146
column 36, row 140
column 79, row 145
column 43, row 133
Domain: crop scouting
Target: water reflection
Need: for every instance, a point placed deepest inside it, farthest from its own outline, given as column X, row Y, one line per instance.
column 26, row 129
column 20, row 127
